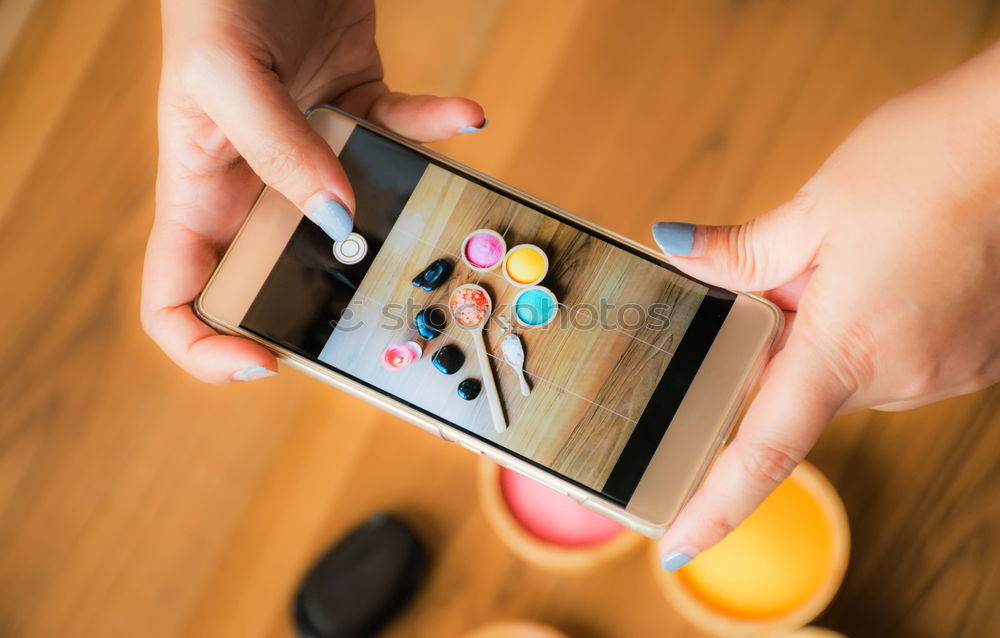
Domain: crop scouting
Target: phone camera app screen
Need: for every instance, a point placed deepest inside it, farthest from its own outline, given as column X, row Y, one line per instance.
column 589, row 344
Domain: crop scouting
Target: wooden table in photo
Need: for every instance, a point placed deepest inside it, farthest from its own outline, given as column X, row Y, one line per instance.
column 592, row 370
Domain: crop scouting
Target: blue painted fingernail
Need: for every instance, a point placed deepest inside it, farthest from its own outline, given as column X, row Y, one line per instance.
column 675, row 560
column 473, row 129
column 674, row 238
column 254, row 373
column 333, row 218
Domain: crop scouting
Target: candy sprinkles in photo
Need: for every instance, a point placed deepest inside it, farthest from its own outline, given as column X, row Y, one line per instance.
column 469, row 306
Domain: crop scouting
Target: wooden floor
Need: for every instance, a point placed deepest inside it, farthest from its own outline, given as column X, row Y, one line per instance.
column 136, row 501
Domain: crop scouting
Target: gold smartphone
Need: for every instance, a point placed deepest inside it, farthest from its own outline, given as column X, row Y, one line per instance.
column 633, row 372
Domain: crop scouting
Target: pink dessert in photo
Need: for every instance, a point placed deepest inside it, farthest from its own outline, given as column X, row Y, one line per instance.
column 484, row 250
column 552, row 517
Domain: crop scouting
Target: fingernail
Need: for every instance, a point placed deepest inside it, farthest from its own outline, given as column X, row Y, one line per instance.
column 333, row 218
column 674, row 238
column 679, row 558
column 473, row 129
column 254, row 373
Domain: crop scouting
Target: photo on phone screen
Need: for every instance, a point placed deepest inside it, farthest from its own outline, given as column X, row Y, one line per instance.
column 608, row 362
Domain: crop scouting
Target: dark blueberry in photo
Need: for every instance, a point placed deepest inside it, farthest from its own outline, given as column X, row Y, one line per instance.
column 434, row 275
column 469, row 389
column 430, row 322
column 448, row 359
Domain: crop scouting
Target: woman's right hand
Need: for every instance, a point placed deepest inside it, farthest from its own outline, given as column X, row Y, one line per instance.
column 886, row 264
column 237, row 76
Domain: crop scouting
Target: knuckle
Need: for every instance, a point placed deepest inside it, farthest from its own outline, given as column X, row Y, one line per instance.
column 278, row 166
column 718, row 525
column 745, row 262
column 748, row 258
column 768, row 464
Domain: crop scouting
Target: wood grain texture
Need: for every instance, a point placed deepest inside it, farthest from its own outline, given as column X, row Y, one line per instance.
column 136, row 501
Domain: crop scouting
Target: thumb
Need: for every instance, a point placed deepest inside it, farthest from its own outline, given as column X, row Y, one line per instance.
column 799, row 394
column 256, row 113
column 766, row 252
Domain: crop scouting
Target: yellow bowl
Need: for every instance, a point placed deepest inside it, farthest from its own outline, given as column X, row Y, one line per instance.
column 541, row 267
column 542, row 554
column 776, row 572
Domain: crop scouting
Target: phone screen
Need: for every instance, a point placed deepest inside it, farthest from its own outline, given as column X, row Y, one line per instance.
column 611, row 341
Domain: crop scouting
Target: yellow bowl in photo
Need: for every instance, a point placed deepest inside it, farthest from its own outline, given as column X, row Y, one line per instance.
column 525, row 265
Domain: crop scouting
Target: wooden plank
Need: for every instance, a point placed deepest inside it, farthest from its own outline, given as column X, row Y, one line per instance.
column 41, row 76
column 13, row 16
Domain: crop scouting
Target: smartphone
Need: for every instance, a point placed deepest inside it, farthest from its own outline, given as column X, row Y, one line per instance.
column 634, row 373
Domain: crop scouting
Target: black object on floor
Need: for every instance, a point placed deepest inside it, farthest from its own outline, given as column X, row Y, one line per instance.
column 362, row 582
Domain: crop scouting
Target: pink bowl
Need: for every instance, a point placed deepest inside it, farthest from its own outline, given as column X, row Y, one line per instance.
column 552, row 517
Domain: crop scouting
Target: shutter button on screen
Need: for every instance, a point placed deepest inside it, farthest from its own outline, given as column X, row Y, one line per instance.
column 351, row 250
